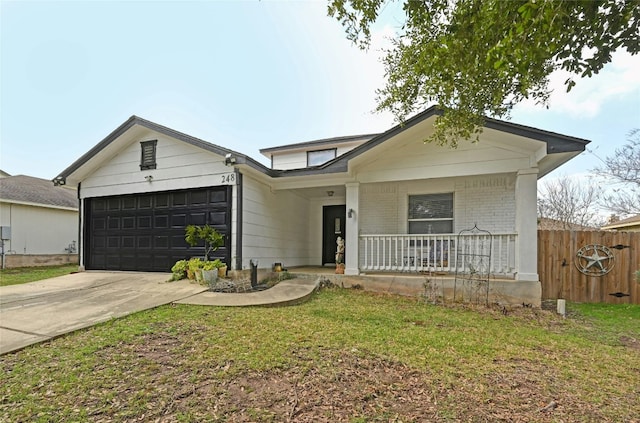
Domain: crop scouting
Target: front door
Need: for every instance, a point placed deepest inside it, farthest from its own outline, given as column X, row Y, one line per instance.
column 333, row 218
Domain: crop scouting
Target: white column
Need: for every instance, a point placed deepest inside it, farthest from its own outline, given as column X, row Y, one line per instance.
column 527, row 225
column 352, row 229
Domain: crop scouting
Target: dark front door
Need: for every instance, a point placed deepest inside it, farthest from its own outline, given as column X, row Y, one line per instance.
column 333, row 218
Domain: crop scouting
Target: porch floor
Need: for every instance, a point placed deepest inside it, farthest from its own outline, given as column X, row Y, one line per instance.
column 330, row 270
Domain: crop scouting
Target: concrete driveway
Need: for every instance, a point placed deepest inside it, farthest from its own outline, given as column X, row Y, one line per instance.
column 38, row 311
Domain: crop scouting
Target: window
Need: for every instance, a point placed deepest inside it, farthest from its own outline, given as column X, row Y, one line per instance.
column 318, row 157
column 148, row 155
column 431, row 214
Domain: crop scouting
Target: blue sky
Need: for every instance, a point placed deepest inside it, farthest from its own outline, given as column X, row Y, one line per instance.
column 242, row 74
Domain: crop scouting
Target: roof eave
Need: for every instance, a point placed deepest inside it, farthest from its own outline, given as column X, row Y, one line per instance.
column 317, row 143
column 33, row 204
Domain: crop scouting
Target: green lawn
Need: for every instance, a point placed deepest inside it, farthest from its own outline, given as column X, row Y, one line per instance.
column 30, row 274
column 346, row 356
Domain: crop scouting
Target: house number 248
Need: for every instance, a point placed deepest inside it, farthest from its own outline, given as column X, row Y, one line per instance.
column 228, row 178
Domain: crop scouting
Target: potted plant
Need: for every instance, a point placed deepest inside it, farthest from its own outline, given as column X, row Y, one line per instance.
column 221, row 266
column 194, row 267
column 209, row 272
column 211, row 237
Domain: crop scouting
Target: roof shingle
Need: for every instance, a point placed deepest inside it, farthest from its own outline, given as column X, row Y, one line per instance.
column 27, row 189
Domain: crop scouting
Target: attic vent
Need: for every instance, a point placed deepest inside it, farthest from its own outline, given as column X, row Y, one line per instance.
column 148, row 155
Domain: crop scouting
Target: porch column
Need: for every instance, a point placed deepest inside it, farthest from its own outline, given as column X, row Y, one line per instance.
column 527, row 225
column 352, row 229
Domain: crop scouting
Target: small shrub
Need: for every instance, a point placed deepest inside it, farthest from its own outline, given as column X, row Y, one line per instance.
column 179, row 270
column 217, row 264
column 193, row 265
column 209, row 265
column 211, row 237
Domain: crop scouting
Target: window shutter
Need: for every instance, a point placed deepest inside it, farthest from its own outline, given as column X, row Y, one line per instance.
column 148, row 154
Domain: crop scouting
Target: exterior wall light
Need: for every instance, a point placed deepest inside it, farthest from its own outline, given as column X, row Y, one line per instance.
column 229, row 160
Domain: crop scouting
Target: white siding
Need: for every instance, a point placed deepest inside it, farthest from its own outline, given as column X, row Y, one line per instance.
column 179, row 166
column 417, row 160
column 488, row 201
column 38, row 230
column 275, row 226
column 295, row 160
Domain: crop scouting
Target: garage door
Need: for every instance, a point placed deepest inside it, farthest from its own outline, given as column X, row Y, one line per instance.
column 145, row 232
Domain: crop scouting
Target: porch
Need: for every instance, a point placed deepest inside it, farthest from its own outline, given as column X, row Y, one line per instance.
column 447, row 253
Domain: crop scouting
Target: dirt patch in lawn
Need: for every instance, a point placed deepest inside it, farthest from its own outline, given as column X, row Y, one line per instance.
column 630, row 342
column 350, row 387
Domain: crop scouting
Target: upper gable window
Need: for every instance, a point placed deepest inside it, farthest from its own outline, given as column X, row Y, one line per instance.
column 318, row 157
column 148, row 154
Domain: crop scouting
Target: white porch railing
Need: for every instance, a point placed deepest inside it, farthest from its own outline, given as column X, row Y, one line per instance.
column 420, row 253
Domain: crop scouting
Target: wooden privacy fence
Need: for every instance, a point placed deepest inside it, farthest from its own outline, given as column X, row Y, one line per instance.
column 560, row 277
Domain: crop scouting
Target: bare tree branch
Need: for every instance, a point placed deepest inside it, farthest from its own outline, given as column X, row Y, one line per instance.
column 622, row 170
column 571, row 204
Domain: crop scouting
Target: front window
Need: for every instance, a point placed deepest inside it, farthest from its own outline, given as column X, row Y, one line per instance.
column 318, row 157
column 431, row 214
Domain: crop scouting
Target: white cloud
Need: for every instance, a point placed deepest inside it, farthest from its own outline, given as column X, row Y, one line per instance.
column 617, row 79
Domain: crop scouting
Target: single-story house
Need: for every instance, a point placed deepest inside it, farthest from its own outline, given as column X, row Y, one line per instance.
column 39, row 222
column 630, row 224
column 398, row 202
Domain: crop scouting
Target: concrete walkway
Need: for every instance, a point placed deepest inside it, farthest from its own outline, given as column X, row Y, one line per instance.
column 39, row 311
column 288, row 292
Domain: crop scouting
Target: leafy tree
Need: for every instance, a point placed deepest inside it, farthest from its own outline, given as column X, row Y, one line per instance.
column 481, row 57
column 622, row 169
column 210, row 236
column 569, row 204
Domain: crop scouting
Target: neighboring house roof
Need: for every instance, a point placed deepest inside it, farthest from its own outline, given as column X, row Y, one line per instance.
column 545, row 223
column 23, row 189
column 630, row 223
column 556, row 144
column 3, row 174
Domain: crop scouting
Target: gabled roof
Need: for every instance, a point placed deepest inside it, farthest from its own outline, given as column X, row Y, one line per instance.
column 555, row 143
column 23, row 189
column 624, row 223
column 135, row 120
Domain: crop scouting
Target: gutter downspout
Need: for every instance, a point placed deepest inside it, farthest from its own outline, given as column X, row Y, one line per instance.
column 239, row 221
column 80, row 232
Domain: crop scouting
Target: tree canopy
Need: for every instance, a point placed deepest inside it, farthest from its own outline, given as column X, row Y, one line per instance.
column 476, row 58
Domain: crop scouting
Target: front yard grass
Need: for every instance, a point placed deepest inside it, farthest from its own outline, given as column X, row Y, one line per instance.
column 21, row 275
column 344, row 356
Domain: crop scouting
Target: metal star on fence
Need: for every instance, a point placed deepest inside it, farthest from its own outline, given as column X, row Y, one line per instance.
column 594, row 260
